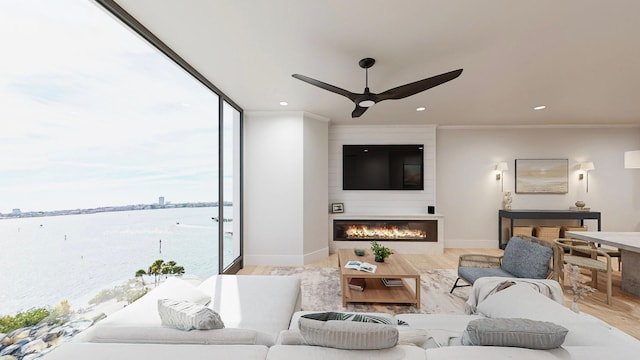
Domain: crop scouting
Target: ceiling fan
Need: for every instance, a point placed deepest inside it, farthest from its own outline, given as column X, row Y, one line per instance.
column 367, row 99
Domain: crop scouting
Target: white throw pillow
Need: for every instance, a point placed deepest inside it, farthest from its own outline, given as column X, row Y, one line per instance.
column 185, row 315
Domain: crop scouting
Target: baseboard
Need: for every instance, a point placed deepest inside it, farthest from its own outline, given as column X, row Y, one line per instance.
column 316, row 255
column 286, row 260
column 274, row 260
column 471, row 244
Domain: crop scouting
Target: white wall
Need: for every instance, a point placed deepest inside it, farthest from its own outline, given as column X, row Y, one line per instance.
column 316, row 188
column 469, row 196
column 388, row 201
column 286, row 162
column 279, row 187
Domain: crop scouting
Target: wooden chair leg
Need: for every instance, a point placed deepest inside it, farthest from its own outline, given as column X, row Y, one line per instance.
column 594, row 279
column 609, row 290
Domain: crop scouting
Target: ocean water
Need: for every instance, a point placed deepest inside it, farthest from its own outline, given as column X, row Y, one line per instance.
column 45, row 260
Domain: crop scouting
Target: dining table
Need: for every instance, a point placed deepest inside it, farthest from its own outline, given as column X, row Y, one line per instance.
column 629, row 245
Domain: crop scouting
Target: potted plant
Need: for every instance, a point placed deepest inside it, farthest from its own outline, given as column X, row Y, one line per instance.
column 380, row 252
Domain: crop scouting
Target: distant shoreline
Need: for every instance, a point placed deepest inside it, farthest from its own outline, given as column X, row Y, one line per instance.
column 30, row 214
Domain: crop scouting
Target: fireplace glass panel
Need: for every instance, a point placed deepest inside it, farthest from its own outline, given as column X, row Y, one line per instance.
column 387, row 230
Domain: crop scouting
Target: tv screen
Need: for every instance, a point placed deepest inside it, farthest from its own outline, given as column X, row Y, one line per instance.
column 383, row 167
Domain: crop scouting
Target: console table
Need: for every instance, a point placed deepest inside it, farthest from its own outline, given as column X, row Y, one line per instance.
column 543, row 215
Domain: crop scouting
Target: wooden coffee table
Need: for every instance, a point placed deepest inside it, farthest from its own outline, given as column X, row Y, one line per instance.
column 394, row 267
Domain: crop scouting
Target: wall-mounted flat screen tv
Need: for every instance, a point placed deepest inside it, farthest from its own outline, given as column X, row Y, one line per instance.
column 383, row 167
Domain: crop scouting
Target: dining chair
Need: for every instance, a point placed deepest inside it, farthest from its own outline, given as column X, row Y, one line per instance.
column 592, row 262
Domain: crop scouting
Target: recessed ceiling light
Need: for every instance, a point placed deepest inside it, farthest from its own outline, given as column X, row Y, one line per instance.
column 284, row 103
column 541, row 107
column 421, row 108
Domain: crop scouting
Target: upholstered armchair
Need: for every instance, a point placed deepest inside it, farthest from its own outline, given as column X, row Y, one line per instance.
column 524, row 257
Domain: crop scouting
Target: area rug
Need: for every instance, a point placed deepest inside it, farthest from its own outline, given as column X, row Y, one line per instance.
column 321, row 292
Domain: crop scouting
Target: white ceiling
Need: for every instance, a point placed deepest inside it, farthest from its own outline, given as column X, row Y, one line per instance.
column 578, row 57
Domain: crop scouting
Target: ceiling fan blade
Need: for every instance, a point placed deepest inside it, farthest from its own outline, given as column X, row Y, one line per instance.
column 359, row 110
column 326, row 86
column 413, row 88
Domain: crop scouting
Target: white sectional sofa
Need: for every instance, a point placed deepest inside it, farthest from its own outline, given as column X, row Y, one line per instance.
column 254, row 310
column 587, row 338
column 262, row 312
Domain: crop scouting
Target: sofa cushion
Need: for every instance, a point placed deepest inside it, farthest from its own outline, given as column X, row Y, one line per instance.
column 117, row 333
column 286, row 352
column 233, row 297
column 177, row 289
column 94, row 351
column 525, row 333
column 260, row 302
column 564, row 352
column 185, row 315
column 144, row 311
column 351, row 335
column 521, row 301
column 526, row 259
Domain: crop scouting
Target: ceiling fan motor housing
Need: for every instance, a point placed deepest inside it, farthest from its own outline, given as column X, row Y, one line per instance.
column 366, row 63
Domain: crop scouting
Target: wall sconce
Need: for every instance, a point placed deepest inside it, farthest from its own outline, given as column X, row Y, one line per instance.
column 632, row 159
column 586, row 167
column 500, row 168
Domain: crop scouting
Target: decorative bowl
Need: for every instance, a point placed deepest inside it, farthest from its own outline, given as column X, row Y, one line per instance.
column 359, row 252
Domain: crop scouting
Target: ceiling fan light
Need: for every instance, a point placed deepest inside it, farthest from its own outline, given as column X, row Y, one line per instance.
column 366, row 103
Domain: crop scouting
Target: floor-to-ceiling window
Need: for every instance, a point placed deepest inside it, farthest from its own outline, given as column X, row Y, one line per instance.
column 229, row 143
column 114, row 155
column 231, row 186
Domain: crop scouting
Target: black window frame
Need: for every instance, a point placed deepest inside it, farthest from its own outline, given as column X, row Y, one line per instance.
column 129, row 21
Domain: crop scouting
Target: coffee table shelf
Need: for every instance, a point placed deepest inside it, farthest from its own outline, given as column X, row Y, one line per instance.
column 394, row 267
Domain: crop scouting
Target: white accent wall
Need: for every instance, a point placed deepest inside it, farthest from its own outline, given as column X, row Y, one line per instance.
column 285, row 188
column 383, row 201
column 469, row 194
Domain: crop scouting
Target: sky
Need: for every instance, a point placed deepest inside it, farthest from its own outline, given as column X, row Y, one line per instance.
column 91, row 115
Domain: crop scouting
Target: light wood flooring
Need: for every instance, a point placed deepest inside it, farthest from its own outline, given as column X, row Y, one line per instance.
column 624, row 313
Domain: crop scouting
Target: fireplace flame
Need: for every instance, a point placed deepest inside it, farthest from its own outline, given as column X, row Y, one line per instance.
column 382, row 232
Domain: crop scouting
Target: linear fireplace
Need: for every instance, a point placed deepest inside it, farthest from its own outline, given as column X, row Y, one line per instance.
column 387, row 230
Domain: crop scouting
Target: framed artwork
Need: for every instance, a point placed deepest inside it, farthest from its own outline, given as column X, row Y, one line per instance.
column 542, row 176
column 337, row 208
